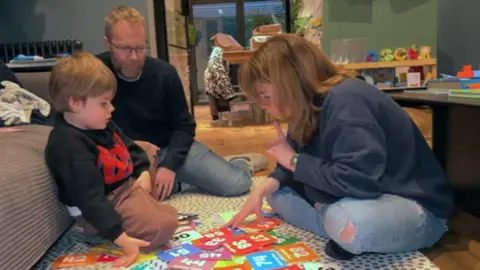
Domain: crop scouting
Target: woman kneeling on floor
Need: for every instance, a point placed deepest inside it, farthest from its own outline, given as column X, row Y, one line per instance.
column 353, row 166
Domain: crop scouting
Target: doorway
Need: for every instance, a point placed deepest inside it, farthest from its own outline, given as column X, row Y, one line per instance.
column 184, row 29
column 237, row 18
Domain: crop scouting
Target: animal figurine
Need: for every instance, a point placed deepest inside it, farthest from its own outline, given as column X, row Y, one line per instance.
column 425, row 52
column 386, row 55
column 400, row 54
column 413, row 52
column 372, row 56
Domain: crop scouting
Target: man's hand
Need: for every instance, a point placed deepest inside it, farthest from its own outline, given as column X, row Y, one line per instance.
column 164, row 182
column 148, row 147
column 144, row 181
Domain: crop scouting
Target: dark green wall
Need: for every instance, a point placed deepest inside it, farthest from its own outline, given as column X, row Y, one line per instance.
column 385, row 23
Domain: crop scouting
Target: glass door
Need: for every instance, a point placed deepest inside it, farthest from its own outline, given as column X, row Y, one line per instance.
column 211, row 17
column 180, row 52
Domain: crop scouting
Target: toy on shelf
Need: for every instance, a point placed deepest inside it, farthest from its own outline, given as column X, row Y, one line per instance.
column 466, row 72
column 413, row 52
column 425, row 52
column 372, row 56
column 469, row 78
column 386, row 55
column 401, row 54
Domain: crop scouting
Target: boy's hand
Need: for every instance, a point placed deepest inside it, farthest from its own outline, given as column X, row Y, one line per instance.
column 131, row 249
column 144, row 181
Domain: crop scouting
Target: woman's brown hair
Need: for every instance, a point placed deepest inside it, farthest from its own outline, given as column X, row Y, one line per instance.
column 299, row 71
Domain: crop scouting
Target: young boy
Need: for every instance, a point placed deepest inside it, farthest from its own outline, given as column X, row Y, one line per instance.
column 96, row 167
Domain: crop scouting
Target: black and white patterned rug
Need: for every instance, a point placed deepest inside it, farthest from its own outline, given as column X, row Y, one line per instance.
column 74, row 241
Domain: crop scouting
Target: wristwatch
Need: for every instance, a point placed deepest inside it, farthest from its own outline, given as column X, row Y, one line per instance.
column 293, row 161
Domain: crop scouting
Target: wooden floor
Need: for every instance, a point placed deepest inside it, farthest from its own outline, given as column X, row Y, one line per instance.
column 454, row 252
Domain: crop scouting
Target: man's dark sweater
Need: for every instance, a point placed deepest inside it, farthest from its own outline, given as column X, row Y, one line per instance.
column 154, row 109
column 89, row 164
column 368, row 146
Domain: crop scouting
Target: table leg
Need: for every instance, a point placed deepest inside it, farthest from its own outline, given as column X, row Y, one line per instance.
column 440, row 124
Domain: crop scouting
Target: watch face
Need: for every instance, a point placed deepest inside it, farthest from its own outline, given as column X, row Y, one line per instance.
column 293, row 162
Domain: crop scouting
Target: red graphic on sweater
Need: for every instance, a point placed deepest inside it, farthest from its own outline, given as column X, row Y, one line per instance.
column 116, row 163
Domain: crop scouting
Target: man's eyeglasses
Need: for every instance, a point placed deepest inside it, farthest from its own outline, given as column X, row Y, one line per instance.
column 129, row 50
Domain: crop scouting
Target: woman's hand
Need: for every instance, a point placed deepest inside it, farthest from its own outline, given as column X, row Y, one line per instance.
column 144, row 181
column 281, row 149
column 252, row 206
column 130, row 248
column 254, row 202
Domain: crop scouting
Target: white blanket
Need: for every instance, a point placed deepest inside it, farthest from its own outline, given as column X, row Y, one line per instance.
column 17, row 104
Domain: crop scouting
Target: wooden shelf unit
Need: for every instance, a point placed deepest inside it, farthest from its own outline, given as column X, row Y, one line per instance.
column 390, row 64
column 240, row 57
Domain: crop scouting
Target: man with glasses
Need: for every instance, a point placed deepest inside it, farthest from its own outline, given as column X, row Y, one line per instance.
column 151, row 108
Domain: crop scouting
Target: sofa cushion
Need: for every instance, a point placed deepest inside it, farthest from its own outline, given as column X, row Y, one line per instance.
column 32, row 218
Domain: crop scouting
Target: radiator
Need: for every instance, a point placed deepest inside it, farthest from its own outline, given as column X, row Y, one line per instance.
column 47, row 49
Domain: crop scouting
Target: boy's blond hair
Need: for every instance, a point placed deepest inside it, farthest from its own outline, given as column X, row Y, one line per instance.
column 79, row 76
column 122, row 13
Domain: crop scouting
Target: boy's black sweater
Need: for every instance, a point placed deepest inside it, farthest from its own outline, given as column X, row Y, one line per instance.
column 89, row 164
column 154, row 109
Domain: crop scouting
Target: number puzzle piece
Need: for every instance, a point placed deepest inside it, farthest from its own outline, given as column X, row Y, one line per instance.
column 190, row 264
column 237, row 263
column 291, row 267
column 266, row 260
column 106, row 258
column 186, row 236
column 283, row 240
column 222, row 232
column 182, row 251
column 262, row 238
column 213, row 256
column 151, row 265
column 209, row 243
column 75, row 260
column 298, row 252
column 242, row 245
column 268, row 225
column 319, row 266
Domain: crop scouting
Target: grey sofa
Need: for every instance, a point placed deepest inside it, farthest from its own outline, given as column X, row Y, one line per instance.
column 31, row 217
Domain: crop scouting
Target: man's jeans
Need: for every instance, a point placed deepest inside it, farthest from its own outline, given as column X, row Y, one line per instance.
column 209, row 172
column 387, row 224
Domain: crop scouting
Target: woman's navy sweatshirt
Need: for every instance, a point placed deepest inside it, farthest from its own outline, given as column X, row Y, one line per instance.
column 368, row 146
